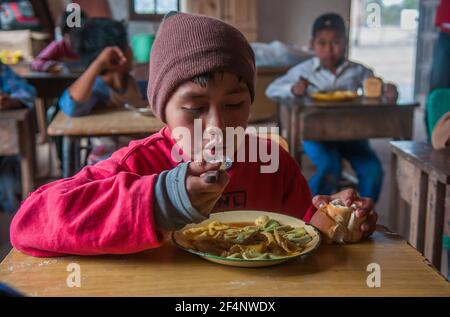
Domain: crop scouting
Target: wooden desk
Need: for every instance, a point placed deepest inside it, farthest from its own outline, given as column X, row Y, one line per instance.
column 101, row 122
column 17, row 138
column 304, row 119
column 333, row 270
column 48, row 85
column 48, row 88
column 420, row 190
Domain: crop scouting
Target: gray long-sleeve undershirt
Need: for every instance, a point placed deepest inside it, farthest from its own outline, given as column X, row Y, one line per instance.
column 172, row 207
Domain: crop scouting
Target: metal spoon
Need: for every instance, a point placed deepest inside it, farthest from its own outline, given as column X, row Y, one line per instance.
column 212, row 177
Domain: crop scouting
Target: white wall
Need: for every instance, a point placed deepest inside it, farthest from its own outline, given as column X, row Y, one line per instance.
column 290, row 21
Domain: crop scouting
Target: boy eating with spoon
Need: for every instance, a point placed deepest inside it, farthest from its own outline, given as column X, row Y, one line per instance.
column 330, row 70
column 202, row 77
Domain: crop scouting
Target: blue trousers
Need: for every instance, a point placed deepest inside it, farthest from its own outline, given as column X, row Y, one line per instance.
column 327, row 156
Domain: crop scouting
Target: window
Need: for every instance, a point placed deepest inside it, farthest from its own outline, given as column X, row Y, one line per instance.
column 153, row 10
column 383, row 35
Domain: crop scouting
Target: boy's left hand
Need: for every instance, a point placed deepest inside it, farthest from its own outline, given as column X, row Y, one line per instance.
column 364, row 207
column 390, row 92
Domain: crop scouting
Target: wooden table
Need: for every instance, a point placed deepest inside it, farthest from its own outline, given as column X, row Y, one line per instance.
column 111, row 121
column 333, row 270
column 48, row 88
column 17, row 138
column 304, row 119
column 420, row 190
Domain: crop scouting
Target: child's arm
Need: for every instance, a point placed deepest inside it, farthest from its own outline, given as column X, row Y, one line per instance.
column 282, row 87
column 111, row 208
column 103, row 209
column 90, row 89
column 390, row 91
column 100, row 93
column 51, row 56
column 16, row 91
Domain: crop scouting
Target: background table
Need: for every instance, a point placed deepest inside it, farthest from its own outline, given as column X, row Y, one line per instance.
column 108, row 121
column 305, row 119
column 17, row 128
column 333, row 270
column 49, row 87
column 420, row 197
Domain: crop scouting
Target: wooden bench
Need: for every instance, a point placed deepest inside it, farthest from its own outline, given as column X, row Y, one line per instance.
column 420, row 197
column 17, row 138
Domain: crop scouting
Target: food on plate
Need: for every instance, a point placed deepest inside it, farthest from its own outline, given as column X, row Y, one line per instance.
column 337, row 95
column 264, row 239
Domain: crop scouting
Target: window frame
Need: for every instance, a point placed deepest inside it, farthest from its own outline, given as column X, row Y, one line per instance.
column 154, row 17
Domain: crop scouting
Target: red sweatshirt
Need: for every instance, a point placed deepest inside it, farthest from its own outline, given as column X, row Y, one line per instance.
column 108, row 207
column 55, row 52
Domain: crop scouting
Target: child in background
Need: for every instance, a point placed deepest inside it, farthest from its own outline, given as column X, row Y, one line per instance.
column 330, row 70
column 14, row 93
column 103, row 48
column 51, row 59
column 200, row 69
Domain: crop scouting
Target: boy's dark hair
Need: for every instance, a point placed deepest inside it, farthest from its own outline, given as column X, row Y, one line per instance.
column 65, row 29
column 329, row 21
column 203, row 79
column 96, row 35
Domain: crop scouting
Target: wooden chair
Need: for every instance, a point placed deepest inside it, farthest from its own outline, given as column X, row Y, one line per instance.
column 420, row 198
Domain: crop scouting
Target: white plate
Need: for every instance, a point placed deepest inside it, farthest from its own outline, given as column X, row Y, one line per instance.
column 248, row 216
column 142, row 111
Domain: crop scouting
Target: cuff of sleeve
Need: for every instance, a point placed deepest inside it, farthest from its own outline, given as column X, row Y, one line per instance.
column 176, row 186
column 173, row 208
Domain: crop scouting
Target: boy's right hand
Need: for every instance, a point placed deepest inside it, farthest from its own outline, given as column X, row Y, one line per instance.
column 111, row 58
column 299, row 88
column 204, row 195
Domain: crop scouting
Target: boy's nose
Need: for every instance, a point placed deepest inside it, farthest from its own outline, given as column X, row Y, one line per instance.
column 215, row 118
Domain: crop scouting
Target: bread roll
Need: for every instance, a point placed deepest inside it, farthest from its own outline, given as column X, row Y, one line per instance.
column 338, row 222
column 339, row 212
column 354, row 228
column 332, row 230
column 373, row 87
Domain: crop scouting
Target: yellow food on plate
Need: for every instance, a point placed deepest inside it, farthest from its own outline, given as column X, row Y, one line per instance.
column 338, row 95
column 264, row 239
